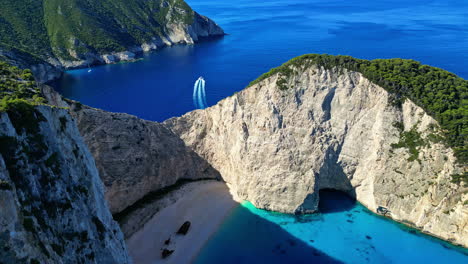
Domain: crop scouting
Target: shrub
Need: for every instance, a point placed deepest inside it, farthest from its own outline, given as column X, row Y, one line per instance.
column 459, row 178
column 412, row 141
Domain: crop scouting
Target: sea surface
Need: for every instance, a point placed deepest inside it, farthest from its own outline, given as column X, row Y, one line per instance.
column 264, row 34
column 343, row 232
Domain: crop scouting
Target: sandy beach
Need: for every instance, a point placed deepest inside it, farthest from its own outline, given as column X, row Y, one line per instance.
column 205, row 205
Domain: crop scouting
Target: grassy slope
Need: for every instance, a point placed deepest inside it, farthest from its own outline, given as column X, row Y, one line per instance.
column 440, row 93
column 46, row 27
column 22, row 27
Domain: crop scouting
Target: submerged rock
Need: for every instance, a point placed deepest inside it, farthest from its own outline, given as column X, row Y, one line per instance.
column 382, row 210
column 166, row 253
column 183, row 230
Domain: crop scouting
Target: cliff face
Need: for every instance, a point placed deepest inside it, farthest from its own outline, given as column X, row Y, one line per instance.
column 331, row 129
column 52, row 200
column 136, row 157
column 42, row 70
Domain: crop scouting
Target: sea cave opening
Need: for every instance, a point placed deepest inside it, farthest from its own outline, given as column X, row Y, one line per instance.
column 332, row 200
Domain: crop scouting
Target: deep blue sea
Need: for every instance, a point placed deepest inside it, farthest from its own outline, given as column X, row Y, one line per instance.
column 265, row 34
column 344, row 232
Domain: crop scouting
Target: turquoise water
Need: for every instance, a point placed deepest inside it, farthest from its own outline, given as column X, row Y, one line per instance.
column 264, row 34
column 344, row 231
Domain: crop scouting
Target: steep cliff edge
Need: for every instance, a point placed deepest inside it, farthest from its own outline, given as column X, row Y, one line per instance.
column 48, row 36
column 281, row 140
column 52, row 201
column 139, row 161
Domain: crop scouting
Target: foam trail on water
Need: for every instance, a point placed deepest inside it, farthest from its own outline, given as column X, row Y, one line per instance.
column 199, row 94
column 195, row 94
column 204, row 94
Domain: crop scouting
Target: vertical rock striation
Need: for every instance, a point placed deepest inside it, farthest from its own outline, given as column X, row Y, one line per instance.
column 51, row 198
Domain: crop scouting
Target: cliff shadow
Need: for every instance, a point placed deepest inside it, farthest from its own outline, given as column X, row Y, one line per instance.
column 332, row 201
column 246, row 237
column 197, row 170
column 336, row 193
column 330, row 176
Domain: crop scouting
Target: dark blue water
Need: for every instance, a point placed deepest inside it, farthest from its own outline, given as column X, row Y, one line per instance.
column 344, row 232
column 264, row 34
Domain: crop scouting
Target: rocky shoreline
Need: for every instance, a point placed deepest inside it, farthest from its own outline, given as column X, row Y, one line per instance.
column 131, row 55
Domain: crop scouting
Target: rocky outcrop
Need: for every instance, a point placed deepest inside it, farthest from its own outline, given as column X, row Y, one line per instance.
column 136, row 157
column 203, row 27
column 331, row 129
column 43, row 71
column 51, row 198
column 177, row 33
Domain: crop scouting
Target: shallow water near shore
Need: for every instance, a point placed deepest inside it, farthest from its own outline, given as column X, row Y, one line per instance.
column 344, row 231
column 265, row 34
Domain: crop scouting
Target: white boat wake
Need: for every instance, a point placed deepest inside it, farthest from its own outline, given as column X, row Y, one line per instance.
column 199, row 94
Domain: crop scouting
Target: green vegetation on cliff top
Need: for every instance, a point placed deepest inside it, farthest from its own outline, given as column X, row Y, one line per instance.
column 442, row 94
column 17, row 88
column 53, row 28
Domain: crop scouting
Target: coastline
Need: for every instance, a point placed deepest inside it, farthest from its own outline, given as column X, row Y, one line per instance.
column 205, row 204
column 130, row 55
column 418, row 230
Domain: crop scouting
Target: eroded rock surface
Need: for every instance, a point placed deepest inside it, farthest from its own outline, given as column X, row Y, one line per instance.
column 136, row 157
column 52, row 201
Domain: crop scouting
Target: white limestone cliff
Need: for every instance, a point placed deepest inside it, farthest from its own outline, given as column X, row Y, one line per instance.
column 330, row 129
column 52, row 201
